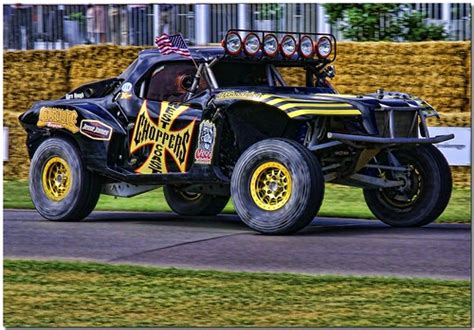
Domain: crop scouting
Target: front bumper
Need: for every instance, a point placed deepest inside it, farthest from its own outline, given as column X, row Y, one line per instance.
column 388, row 140
column 395, row 126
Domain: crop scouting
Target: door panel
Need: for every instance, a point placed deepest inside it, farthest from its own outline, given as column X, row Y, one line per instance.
column 162, row 139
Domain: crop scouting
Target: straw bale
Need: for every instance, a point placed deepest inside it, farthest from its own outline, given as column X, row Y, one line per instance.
column 468, row 64
column 89, row 63
column 405, row 49
column 461, row 119
column 456, row 104
column 392, row 59
column 405, row 81
column 438, row 72
column 434, row 70
column 461, row 176
column 32, row 76
column 294, row 76
column 468, row 75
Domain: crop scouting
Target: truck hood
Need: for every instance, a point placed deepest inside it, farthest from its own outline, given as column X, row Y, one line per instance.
column 299, row 101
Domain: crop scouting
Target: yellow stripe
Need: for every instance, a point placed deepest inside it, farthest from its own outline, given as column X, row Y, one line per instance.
column 287, row 99
column 275, row 101
column 322, row 112
column 313, row 105
column 265, row 96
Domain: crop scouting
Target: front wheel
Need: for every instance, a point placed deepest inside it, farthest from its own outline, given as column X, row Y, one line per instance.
column 61, row 187
column 277, row 186
column 424, row 195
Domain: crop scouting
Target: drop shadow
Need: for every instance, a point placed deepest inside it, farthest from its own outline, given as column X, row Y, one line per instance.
column 222, row 221
column 319, row 226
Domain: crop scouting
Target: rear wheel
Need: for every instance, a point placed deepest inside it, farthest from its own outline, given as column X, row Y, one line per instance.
column 61, row 187
column 277, row 186
column 424, row 195
column 190, row 203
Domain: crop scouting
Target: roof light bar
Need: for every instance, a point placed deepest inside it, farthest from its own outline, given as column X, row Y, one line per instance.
column 324, row 47
column 288, row 46
column 233, row 43
column 270, row 45
column 292, row 46
column 252, row 44
column 306, row 48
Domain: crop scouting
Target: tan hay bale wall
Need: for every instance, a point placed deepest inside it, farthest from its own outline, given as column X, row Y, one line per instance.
column 436, row 71
column 89, row 63
column 28, row 76
column 461, row 176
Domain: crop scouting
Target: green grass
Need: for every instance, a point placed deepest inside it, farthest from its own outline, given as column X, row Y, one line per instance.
column 66, row 294
column 339, row 201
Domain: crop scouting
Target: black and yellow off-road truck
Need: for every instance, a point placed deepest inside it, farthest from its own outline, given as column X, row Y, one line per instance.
column 229, row 125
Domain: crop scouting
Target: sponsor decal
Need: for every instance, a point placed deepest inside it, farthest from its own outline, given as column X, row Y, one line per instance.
column 458, row 150
column 58, row 118
column 127, row 87
column 239, row 95
column 125, row 95
column 207, row 139
column 162, row 139
column 74, row 96
column 95, row 130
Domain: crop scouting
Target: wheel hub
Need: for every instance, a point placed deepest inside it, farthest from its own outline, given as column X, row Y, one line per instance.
column 56, row 179
column 59, row 179
column 273, row 186
column 406, row 194
column 270, row 186
column 406, row 182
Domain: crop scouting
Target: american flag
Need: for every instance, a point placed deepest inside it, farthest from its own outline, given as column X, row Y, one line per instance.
column 172, row 44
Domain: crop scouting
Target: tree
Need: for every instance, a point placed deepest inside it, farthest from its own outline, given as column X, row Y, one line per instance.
column 414, row 29
column 378, row 21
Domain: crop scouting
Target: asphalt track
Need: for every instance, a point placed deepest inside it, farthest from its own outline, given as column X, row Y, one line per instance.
column 328, row 246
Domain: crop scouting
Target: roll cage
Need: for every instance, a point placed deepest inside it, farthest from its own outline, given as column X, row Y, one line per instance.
column 314, row 66
column 315, row 73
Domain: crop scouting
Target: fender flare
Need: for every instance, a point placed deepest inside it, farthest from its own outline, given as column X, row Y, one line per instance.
column 95, row 151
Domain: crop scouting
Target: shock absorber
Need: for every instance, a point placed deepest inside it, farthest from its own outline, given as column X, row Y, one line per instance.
column 302, row 133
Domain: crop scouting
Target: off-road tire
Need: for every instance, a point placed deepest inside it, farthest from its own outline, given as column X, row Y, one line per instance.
column 305, row 197
column 184, row 203
column 85, row 186
column 433, row 197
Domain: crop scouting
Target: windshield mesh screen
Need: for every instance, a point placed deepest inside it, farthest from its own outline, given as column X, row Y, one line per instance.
column 240, row 74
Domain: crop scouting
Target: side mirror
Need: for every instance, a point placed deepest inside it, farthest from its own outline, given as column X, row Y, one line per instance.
column 89, row 92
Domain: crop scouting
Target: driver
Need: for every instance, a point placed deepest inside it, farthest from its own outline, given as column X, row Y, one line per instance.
column 183, row 83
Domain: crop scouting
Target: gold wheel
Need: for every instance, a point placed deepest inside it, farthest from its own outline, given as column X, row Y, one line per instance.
column 57, row 179
column 270, row 186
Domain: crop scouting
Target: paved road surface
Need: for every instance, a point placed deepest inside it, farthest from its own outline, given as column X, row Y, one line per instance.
column 334, row 246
